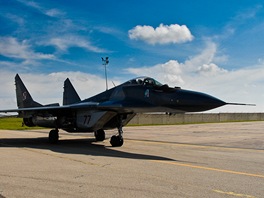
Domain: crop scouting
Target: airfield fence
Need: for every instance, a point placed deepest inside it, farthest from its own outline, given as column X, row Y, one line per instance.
column 163, row 119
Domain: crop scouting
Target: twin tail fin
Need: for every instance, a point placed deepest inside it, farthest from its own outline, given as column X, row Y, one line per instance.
column 24, row 99
column 70, row 96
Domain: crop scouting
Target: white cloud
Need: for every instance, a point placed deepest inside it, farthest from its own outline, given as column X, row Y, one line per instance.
column 167, row 72
column 10, row 47
column 207, row 56
column 49, row 12
column 67, row 31
column 210, row 69
column 23, row 55
column 30, row 4
column 63, row 43
column 164, row 34
column 54, row 12
column 15, row 19
column 176, row 73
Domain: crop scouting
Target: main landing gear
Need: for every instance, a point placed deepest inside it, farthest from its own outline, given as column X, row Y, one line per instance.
column 99, row 135
column 54, row 136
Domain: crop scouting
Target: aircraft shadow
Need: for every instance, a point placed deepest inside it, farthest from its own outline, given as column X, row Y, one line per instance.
column 76, row 146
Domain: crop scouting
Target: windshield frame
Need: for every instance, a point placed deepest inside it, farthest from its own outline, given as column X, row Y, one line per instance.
column 144, row 80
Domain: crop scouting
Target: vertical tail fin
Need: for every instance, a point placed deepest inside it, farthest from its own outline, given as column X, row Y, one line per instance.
column 70, row 95
column 24, row 98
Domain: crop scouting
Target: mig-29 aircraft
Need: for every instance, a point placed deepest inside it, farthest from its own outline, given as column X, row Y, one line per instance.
column 113, row 108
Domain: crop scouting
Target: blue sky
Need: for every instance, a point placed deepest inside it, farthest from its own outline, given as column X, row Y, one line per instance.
column 210, row 46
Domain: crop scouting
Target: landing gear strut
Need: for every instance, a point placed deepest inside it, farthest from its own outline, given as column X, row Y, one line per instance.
column 54, row 136
column 117, row 140
column 99, row 135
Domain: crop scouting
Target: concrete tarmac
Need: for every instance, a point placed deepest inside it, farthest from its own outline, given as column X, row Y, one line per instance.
column 201, row 160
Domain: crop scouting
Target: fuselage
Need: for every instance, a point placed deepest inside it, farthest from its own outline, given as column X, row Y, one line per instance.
column 145, row 97
column 140, row 95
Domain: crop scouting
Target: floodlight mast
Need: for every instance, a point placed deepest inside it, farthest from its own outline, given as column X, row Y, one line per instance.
column 105, row 62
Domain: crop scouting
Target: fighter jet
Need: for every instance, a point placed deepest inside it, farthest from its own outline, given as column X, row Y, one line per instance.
column 113, row 108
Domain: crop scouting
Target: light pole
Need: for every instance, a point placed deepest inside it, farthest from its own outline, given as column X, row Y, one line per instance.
column 105, row 62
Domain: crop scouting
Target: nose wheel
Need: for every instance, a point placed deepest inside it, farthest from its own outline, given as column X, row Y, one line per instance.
column 117, row 140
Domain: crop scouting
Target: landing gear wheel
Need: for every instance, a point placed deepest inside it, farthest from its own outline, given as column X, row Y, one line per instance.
column 99, row 135
column 54, row 136
column 116, row 141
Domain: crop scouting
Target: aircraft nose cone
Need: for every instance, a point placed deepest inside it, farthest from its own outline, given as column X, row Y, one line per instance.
column 209, row 102
column 196, row 101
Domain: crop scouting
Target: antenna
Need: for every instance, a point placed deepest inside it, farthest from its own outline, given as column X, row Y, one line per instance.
column 105, row 62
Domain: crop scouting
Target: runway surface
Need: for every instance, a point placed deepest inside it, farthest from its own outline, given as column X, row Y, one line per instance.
column 202, row 160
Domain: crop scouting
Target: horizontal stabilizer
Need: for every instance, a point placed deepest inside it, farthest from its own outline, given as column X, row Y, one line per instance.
column 52, row 105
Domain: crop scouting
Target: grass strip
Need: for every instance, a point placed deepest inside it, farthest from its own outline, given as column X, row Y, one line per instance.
column 14, row 123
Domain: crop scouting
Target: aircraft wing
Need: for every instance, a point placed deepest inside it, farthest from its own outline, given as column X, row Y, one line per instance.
column 115, row 106
column 55, row 110
column 91, row 105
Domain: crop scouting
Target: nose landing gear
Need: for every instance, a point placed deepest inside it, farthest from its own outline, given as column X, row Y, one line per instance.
column 117, row 140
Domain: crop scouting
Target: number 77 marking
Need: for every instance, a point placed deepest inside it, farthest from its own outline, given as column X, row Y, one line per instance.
column 87, row 119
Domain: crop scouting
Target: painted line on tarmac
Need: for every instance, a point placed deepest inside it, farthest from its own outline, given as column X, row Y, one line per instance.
column 193, row 145
column 209, row 168
column 233, row 194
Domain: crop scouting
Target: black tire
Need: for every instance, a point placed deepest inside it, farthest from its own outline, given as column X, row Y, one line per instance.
column 116, row 141
column 99, row 135
column 53, row 136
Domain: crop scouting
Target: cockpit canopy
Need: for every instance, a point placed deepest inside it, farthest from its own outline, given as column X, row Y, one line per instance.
column 144, row 81
column 147, row 81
